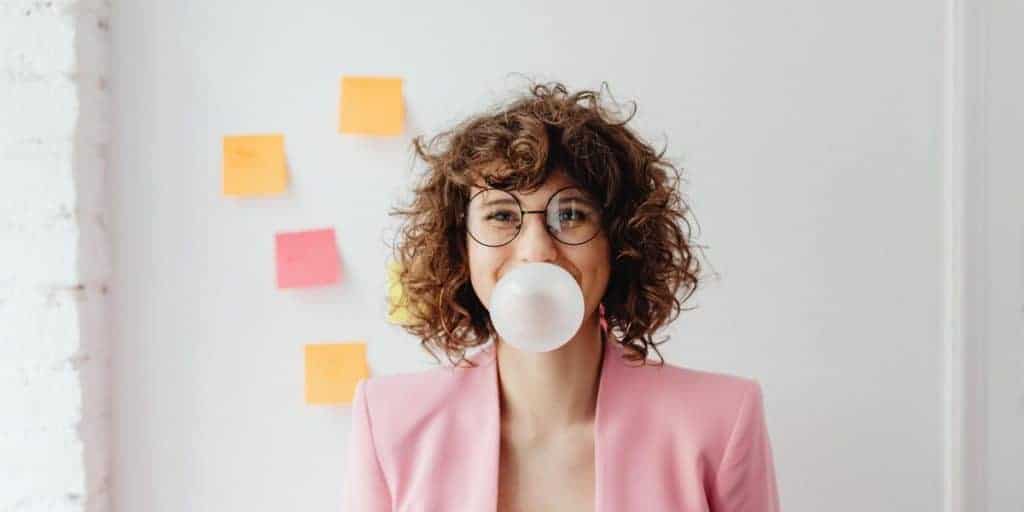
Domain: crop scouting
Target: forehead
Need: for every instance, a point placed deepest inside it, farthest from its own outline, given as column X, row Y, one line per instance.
column 555, row 181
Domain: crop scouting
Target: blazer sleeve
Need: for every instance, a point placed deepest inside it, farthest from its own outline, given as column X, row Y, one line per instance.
column 365, row 487
column 746, row 475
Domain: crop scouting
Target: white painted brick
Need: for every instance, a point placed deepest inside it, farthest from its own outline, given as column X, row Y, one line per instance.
column 27, row 149
column 54, row 258
column 43, row 109
column 28, row 8
column 43, row 255
column 36, row 192
column 54, row 397
column 36, row 47
column 39, row 326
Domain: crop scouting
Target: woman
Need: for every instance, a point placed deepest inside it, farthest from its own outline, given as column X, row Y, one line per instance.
column 594, row 424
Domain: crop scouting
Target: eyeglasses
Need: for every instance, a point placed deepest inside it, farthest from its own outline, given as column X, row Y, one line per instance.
column 495, row 217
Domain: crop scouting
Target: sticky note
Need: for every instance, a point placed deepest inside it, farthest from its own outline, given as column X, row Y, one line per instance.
column 371, row 105
column 396, row 296
column 254, row 165
column 333, row 370
column 307, row 258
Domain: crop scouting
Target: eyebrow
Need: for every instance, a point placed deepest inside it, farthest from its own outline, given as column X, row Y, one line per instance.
column 576, row 196
column 579, row 196
column 493, row 202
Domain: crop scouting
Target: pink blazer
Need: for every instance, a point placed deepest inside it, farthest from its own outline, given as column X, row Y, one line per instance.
column 666, row 439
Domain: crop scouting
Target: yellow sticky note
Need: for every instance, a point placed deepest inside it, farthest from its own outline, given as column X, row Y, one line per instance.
column 333, row 370
column 396, row 297
column 371, row 105
column 254, row 165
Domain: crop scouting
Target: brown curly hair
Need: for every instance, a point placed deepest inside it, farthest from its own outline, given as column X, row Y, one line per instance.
column 516, row 147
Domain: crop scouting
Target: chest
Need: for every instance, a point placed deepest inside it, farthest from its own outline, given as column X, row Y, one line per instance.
column 554, row 475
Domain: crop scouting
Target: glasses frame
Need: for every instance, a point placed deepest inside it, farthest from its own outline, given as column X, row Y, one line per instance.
column 522, row 217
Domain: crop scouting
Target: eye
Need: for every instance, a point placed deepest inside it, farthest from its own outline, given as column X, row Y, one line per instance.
column 570, row 214
column 502, row 216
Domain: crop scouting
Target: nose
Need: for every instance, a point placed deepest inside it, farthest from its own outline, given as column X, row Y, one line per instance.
column 534, row 243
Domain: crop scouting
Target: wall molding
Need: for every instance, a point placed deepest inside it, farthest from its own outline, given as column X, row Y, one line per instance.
column 965, row 247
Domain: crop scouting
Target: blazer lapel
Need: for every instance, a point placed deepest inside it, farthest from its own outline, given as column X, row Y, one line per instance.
column 480, row 426
column 612, row 430
column 475, row 442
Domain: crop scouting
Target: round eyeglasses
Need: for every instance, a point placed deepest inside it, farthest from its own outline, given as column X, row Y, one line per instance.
column 495, row 217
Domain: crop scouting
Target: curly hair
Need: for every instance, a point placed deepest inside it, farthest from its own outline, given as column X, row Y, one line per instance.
column 654, row 268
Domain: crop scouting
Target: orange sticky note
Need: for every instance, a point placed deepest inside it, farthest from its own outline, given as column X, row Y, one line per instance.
column 307, row 258
column 333, row 370
column 396, row 297
column 371, row 105
column 254, row 165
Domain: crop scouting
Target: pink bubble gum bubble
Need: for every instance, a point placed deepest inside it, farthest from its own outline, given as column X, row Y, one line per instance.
column 537, row 307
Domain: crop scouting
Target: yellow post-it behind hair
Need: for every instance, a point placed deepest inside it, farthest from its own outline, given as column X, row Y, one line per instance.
column 396, row 297
column 371, row 105
column 254, row 165
column 333, row 370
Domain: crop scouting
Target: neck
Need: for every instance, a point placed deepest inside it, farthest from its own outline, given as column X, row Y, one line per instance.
column 550, row 391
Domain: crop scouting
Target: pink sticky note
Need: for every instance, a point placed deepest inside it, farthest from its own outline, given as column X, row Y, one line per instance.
column 306, row 258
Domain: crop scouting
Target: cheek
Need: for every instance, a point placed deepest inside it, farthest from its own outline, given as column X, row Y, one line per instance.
column 483, row 266
column 598, row 264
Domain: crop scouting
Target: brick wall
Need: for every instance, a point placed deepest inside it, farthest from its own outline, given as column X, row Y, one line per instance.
column 54, row 268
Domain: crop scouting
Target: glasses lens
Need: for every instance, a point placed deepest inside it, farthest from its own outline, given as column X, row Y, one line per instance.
column 573, row 217
column 493, row 217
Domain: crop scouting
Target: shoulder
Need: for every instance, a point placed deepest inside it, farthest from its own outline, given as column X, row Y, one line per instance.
column 403, row 403
column 669, row 383
column 425, row 386
column 699, row 406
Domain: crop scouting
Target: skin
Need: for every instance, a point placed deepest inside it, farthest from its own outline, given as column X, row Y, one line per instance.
column 548, row 399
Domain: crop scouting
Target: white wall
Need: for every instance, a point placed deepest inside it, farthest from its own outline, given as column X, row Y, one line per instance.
column 996, row 219
column 811, row 133
column 54, row 256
